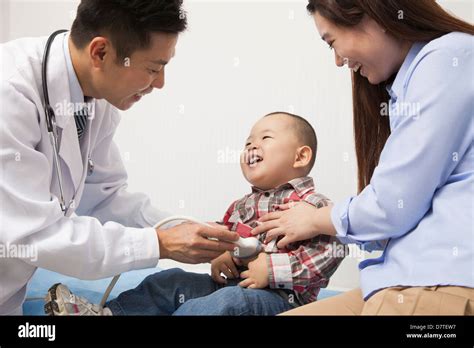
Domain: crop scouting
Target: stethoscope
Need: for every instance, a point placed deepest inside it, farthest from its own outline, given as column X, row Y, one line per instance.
column 51, row 123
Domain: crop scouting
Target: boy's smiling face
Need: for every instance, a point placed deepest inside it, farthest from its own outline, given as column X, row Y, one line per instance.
column 269, row 158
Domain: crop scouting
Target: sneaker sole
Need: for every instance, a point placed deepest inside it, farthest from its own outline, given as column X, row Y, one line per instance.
column 51, row 307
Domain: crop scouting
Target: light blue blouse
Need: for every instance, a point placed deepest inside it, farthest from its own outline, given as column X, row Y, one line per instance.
column 418, row 206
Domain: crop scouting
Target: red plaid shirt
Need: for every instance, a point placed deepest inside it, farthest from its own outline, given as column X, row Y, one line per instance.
column 303, row 267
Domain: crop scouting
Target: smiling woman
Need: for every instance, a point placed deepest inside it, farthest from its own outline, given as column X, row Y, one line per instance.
column 376, row 35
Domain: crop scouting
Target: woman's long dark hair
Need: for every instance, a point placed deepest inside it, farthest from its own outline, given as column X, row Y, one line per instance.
column 411, row 20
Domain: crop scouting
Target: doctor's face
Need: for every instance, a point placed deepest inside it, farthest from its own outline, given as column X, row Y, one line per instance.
column 123, row 84
column 366, row 47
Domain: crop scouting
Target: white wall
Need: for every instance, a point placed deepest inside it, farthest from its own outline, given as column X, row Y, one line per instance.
column 238, row 61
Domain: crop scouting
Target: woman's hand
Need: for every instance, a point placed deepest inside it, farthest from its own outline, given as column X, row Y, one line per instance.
column 296, row 222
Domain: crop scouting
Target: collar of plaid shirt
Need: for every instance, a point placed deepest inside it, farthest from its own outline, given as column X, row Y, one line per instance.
column 300, row 185
column 243, row 214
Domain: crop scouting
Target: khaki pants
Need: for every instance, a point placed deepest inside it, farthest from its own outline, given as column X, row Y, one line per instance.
column 436, row 300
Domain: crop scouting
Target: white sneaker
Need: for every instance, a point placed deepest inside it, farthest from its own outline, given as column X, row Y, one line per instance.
column 60, row 301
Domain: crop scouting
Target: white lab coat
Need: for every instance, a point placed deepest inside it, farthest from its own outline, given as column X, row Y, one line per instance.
column 107, row 231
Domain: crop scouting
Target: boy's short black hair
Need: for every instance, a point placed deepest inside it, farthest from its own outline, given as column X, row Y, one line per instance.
column 127, row 23
column 305, row 132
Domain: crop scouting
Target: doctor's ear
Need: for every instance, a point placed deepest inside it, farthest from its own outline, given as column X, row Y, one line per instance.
column 303, row 156
column 99, row 47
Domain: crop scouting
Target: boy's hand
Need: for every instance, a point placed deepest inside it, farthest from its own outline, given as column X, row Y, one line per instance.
column 223, row 264
column 257, row 275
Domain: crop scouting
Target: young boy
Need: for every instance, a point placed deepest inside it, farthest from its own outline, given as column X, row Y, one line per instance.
column 279, row 154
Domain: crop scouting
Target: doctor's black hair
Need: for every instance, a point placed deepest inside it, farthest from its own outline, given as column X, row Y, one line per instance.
column 304, row 132
column 126, row 23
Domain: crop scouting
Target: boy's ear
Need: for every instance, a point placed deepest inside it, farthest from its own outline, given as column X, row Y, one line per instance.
column 303, row 156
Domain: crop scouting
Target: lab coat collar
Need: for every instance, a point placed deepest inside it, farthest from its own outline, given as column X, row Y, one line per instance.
column 75, row 89
column 60, row 100
column 58, row 84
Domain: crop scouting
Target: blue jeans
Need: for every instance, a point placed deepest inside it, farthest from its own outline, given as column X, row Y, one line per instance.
column 176, row 292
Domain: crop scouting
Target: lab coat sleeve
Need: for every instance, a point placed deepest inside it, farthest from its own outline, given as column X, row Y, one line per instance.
column 420, row 154
column 105, row 194
column 77, row 246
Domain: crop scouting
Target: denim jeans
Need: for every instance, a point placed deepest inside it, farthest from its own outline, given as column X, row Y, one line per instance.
column 176, row 292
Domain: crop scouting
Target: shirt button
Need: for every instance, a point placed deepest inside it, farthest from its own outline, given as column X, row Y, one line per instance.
column 267, row 194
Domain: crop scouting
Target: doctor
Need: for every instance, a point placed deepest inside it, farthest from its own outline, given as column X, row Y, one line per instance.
column 115, row 54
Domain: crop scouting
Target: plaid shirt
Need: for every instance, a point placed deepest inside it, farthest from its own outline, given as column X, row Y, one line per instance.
column 303, row 267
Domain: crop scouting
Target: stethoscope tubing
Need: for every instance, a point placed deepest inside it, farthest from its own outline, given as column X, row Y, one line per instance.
column 51, row 118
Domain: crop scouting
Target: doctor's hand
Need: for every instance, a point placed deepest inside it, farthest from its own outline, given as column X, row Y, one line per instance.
column 189, row 242
column 296, row 222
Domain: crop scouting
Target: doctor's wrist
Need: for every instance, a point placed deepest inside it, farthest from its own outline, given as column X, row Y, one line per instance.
column 161, row 235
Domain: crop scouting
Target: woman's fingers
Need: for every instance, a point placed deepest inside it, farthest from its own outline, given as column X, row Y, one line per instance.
column 271, row 216
column 259, row 229
column 273, row 234
column 265, row 226
column 286, row 206
column 284, row 242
